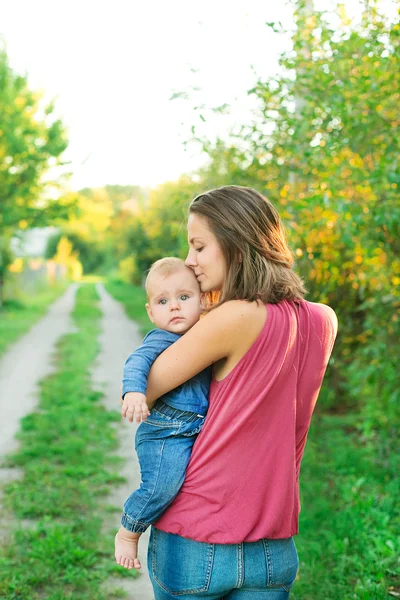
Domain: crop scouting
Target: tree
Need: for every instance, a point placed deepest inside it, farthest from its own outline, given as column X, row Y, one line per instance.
column 32, row 140
column 325, row 149
column 155, row 230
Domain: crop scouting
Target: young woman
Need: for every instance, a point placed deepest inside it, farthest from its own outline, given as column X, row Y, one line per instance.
column 229, row 532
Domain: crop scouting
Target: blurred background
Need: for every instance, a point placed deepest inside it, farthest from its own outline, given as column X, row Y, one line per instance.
column 113, row 116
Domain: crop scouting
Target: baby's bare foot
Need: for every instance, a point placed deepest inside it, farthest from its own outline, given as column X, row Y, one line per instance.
column 126, row 550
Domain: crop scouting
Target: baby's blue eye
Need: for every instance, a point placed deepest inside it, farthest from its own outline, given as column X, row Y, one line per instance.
column 183, row 297
column 162, row 301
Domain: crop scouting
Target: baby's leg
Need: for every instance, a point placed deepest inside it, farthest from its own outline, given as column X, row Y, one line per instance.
column 164, row 444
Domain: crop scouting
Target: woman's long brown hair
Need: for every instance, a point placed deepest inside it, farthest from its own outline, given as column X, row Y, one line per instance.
column 253, row 240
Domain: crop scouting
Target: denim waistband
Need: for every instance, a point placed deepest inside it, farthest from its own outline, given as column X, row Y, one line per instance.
column 175, row 413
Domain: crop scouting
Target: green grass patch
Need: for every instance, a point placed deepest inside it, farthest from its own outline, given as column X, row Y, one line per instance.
column 17, row 316
column 349, row 524
column 59, row 552
column 133, row 297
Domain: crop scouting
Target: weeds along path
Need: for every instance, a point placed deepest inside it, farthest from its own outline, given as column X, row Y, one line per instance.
column 27, row 362
column 119, row 337
column 24, row 364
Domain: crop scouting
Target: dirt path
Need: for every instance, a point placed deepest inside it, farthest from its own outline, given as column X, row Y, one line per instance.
column 25, row 363
column 29, row 360
column 120, row 336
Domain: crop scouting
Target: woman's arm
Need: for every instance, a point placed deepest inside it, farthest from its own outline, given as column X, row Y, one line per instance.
column 225, row 332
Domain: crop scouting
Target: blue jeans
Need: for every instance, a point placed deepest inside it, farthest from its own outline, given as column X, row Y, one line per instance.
column 183, row 568
column 163, row 444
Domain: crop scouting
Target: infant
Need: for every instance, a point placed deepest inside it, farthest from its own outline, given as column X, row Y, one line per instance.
column 165, row 438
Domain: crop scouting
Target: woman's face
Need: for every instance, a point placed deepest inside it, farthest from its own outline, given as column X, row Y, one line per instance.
column 205, row 256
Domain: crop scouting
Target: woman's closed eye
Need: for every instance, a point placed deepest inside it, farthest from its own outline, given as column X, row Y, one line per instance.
column 199, row 249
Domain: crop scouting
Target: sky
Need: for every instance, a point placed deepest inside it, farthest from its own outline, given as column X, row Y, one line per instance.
column 112, row 67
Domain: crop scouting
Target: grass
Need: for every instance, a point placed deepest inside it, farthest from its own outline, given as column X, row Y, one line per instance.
column 349, row 523
column 133, row 298
column 17, row 316
column 58, row 552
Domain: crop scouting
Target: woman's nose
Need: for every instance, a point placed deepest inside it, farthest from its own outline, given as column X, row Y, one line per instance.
column 191, row 259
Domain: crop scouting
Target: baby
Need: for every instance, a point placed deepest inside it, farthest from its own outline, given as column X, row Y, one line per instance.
column 165, row 438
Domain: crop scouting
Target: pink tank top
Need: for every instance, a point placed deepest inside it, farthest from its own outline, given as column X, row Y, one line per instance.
column 242, row 482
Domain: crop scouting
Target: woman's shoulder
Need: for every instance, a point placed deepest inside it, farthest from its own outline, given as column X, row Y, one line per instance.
column 325, row 311
column 238, row 322
column 238, row 311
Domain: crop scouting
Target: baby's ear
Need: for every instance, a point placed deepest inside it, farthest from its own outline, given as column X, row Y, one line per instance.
column 149, row 313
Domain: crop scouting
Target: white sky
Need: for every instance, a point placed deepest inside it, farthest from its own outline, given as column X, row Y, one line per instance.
column 113, row 65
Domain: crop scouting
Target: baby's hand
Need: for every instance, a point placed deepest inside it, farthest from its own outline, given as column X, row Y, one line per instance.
column 126, row 548
column 134, row 404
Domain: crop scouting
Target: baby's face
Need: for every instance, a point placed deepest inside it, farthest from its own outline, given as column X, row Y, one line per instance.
column 174, row 300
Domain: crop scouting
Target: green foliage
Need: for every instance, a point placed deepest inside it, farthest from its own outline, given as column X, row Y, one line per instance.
column 349, row 522
column 324, row 147
column 120, row 196
column 6, row 257
column 89, row 251
column 155, row 229
column 16, row 317
column 31, row 140
column 128, row 270
column 331, row 163
column 105, row 221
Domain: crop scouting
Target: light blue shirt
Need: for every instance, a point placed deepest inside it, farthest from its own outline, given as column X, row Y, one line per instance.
column 190, row 396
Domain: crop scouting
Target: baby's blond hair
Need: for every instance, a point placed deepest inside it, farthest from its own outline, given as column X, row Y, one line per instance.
column 164, row 266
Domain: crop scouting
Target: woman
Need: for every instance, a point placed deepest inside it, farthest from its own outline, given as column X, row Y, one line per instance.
column 229, row 532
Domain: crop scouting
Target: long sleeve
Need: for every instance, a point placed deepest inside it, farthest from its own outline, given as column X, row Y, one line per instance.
column 138, row 364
